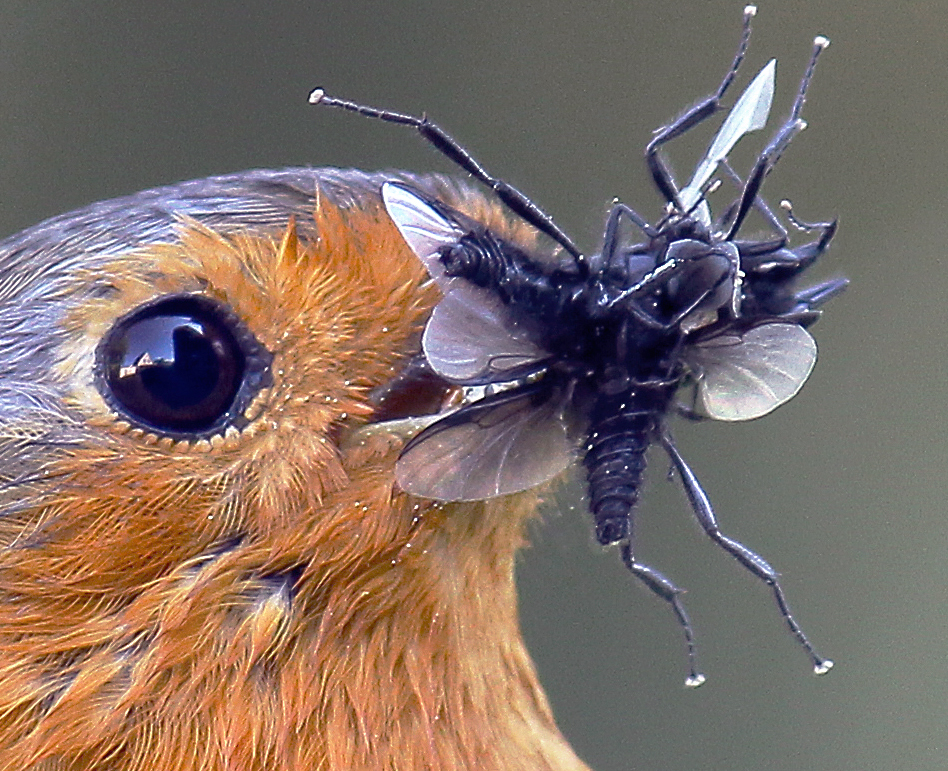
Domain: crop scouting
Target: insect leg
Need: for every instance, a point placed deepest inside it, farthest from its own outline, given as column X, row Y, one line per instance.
column 827, row 229
column 444, row 143
column 773, row 250
column 749, row 559
column 679, row 256
column 669, row 592
column 785, row 134
column 759, row 203
column 688, row 412
column 783, row 265
column 610, row 240
column 700, row 112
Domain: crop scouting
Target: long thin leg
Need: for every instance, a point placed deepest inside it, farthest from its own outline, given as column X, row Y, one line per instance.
column 785, row 134
column 666, row 590
column 691, row 118
column 759, row 203
column 749, row 559
column 444, row 143
column 610, row 240
column 782, row 264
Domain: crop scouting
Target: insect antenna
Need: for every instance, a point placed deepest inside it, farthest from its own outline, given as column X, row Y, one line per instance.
column 444, row 143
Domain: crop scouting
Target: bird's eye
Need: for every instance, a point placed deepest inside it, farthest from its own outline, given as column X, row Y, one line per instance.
column 182, row 365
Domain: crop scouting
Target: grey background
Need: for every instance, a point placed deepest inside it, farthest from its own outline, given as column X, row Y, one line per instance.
column 843, row 490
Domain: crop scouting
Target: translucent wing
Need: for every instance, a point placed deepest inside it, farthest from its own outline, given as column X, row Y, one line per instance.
column 748, row 114
column 423, row 227
column 503, row 444
column 471, row 337
column 745, row 376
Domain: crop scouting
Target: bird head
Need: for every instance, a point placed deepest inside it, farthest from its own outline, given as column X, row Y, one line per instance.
column 225, row 578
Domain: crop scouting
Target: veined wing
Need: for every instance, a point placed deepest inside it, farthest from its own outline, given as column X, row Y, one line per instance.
column 505, row 443
column 425, row 229
column 745, row 376
column 471, row 335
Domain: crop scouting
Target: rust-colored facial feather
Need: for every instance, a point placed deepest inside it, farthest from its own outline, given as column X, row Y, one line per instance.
column 260, row 597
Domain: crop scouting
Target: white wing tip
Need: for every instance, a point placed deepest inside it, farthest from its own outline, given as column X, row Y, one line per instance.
column 821, row 42
column 409, row 210
column 394, row 191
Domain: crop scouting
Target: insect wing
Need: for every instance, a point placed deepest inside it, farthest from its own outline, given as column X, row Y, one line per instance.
column 748, row 114
column 424, row 228
column 470, row 337
column 745, row 376
column 505, row 443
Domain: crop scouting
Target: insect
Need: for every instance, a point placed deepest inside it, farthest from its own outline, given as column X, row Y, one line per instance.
column 580, row 356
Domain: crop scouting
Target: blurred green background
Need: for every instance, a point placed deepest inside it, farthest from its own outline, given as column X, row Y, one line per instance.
column 844, row 489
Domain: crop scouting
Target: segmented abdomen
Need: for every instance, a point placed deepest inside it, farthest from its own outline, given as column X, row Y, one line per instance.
column 621, row 430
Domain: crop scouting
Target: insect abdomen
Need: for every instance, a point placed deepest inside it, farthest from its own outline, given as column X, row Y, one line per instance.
column 620, row 434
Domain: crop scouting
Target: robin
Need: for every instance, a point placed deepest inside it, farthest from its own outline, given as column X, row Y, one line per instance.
column 204, row 566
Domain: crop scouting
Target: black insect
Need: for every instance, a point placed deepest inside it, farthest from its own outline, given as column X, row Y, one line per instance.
column 590, row 352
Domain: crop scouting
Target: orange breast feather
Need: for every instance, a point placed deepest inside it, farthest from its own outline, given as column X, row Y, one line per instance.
column 257, row 594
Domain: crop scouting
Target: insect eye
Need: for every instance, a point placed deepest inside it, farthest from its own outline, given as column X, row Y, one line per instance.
column 181, row 365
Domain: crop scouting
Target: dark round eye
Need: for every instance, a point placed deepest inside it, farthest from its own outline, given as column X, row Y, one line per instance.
column 183, row 365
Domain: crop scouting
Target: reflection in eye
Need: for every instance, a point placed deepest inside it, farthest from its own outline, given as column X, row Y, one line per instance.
column 175, row 365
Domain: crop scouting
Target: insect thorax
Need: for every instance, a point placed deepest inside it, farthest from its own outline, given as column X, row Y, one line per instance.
column 586, row 325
